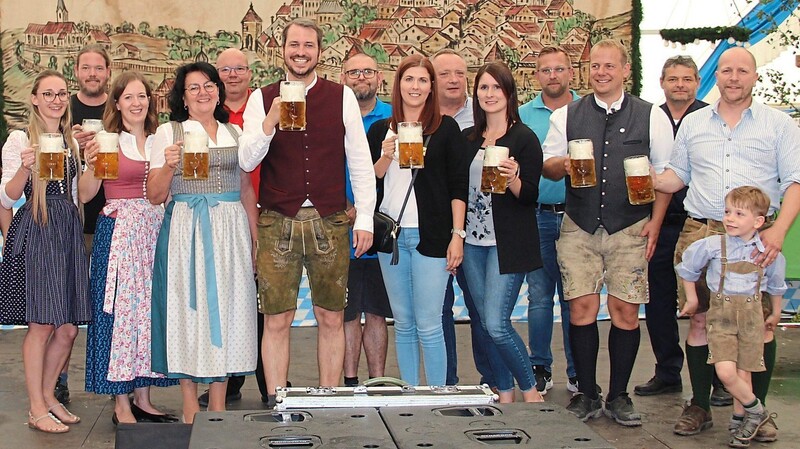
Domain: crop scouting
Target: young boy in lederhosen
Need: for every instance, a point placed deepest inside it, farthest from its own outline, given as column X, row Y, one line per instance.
column 735, row 323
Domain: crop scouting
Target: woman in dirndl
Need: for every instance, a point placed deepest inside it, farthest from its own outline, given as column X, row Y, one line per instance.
column 44, row 276
column 118, row 340
column 204, row 296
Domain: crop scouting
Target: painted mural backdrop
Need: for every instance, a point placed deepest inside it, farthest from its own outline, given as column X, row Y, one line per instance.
column 154, row 37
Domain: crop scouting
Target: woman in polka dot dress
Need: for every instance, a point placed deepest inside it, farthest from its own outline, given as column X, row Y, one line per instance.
column 118, row 340
column 204, row 297
column 44, row 274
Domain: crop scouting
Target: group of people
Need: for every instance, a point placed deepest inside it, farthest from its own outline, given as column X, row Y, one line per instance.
column 196, row 281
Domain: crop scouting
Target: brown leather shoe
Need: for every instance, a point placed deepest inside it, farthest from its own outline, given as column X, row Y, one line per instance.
column 768, row 432
column 693, row 420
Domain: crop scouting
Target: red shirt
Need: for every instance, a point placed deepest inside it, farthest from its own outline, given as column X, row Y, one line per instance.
column 237, row 118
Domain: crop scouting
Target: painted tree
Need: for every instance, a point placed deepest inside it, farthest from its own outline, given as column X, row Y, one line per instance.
column 52, row 63
column 144, row 29
column 356, row 15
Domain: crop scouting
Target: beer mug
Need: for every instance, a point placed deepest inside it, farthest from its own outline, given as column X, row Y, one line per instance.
column 638, row 180
column 195, row 155
column 581, row 160
column 50, row 157
column 293, row 106
column 92, row 124
column 409, row 142
column 106, row 166
column 491, row 179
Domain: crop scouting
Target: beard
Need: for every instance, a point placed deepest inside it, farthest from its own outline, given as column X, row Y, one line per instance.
column 89, row 91
column 302, row 74
column 367, row 94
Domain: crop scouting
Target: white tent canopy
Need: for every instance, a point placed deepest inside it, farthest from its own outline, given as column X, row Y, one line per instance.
column 658, row 15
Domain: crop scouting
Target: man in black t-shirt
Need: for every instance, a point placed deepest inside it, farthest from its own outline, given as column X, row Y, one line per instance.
column 93, row 70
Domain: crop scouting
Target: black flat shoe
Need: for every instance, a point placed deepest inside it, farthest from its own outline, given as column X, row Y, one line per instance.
column 143, row 416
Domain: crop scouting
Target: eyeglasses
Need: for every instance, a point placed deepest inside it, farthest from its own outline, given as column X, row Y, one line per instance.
column 558, row 70
column 355, row 73
column 209, row 86
column 239, row 70
column 49, row 96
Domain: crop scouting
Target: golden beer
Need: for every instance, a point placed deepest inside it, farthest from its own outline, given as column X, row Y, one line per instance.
column 492, row 181
column 293, row 106
column 106, row 166
column 409, row 145
column 582, row 169
column 50, row 157
column 195, row 155
column 638, row 180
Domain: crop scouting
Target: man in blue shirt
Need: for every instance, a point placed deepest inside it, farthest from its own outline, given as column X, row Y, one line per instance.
column 365, row 290
column 554, row 72
column 735, row 142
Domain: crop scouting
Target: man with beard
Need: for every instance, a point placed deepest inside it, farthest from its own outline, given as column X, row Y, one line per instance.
column 735, row 142
column 303, row 223
column 365, row 290
column 554, row 72
column 93, row 70
column 679, row 80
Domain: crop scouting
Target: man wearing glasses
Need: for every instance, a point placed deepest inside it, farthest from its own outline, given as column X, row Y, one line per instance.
column 554, row 73
column 236, row 75
column 303, row 223
column 365, row 289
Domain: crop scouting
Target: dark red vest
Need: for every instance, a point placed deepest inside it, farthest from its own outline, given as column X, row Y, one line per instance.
column 307, row 164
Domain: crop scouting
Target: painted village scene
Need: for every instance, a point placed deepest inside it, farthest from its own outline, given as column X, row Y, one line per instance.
column 480, row 30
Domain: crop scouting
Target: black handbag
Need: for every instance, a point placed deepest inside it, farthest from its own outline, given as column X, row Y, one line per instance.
column 385, row 229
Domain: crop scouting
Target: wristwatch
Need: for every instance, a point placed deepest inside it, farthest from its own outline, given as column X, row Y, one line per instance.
column 459, row 232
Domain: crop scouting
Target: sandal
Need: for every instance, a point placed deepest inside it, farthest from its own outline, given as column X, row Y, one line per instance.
column 71, row 418
column 33, row 423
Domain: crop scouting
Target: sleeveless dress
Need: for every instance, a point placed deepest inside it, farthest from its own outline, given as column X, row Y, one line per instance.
column 204, row 296
column 44, row 275
column 118, row 340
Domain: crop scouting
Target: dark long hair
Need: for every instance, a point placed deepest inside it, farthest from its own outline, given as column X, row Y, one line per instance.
column 177, row 107
column 501, row 73
column 112, row 117
column 430, row 117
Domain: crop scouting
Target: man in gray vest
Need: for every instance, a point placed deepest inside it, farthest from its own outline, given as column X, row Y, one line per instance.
column 604, row 239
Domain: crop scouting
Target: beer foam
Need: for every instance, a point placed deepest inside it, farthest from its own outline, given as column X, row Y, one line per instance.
column 109, row 142
column 293, row 91
column 581, row 149
column 493, row 155
column 408, row 132
column 636, row 166
column 51, row 143
column 195, row 142
column 90, row 124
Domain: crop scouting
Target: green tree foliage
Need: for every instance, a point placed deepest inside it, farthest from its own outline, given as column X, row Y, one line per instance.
column 376, row 51
column 264, row 74
column 52, row 63
column 356, row 15
column 144, row 29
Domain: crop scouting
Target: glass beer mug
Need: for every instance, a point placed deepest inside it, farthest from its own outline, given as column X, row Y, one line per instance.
column 492, row 181
column 293, row 106
column 195, row 155
column 638, row 180
column 92, row 125
column 50, row 157
column 409, row 141
column 106, row 166
column 581, row 160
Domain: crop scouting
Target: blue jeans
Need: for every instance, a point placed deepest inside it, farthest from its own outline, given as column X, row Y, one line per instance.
column 479, row 335
column 495, row 295
column 416, row 293
column 542, row 284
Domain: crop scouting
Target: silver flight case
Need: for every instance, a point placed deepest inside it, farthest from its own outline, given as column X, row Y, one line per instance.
column 383, row 396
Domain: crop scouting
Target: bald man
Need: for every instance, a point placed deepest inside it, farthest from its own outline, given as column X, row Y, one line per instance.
column 735, row 142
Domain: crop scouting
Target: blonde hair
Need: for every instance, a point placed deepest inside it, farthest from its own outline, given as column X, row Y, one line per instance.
column 612, row 44
column 750, row 198
column 36, row 126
